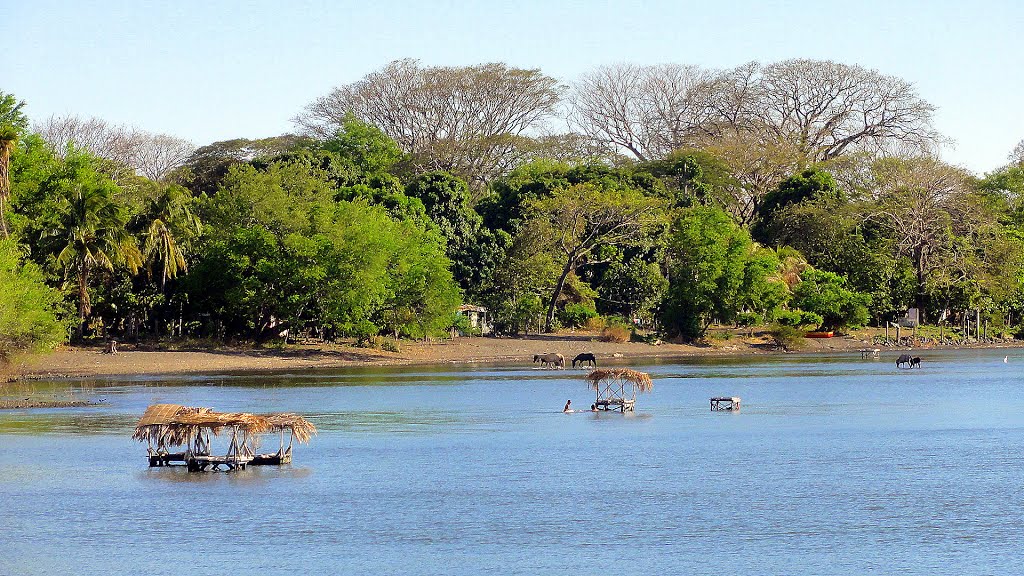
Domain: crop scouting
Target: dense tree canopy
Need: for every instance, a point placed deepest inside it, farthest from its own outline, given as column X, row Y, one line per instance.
column 797, row 193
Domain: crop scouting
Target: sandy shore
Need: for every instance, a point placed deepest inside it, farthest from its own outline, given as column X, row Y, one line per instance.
column 70, row 362
column 89, row 361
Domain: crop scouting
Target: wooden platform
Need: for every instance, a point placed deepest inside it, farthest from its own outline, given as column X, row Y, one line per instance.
column 275, row 459
column 611, row 404
column 169, row 459
column 201, row 463
column 725, row 404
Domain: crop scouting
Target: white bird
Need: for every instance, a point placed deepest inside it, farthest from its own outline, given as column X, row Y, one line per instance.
column 1006, row 359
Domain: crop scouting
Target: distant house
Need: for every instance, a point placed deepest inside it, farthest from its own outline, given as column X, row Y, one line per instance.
column 911, row 320
column 478, row 317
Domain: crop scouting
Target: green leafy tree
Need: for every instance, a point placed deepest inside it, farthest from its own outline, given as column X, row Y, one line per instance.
column 632, row 289
column 826, row 294
column 13, row 124
column 90, row 230
column 30, row 311
column 585, row 218
column 715, row 271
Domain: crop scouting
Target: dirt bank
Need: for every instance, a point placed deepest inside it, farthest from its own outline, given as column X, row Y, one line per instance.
column 131, row 360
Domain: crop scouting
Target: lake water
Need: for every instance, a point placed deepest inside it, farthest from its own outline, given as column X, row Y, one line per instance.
column 835, row 465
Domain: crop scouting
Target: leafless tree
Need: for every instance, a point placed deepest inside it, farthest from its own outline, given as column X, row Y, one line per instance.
column 822, row 108
column 155, row 156
column 463, row 119
column 924, row 205
column 826, row 108
column 1017, row 156
column 128, row 149
column 646, row 110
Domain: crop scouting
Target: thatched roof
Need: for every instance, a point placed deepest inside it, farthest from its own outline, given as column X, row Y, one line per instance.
column 641, row 380
column 250, row 423
column 173, row 424
column 301, row 428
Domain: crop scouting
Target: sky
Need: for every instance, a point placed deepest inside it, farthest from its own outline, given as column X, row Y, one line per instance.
column 209, row 71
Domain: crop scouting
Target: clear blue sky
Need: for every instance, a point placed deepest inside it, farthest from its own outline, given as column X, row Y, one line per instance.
column 210, row 71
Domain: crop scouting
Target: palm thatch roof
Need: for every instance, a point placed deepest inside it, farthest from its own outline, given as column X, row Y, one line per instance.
column 640, row 380
column 300, row 428
column 159, row 424
column 174, row 425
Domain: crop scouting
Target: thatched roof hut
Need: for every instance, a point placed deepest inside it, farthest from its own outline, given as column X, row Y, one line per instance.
column 617, row 387
column 300, row 428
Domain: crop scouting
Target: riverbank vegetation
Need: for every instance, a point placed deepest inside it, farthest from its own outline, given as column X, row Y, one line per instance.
column 799, row 194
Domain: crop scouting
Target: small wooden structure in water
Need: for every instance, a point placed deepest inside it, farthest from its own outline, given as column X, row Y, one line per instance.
column 725, row 404
column 617, row 387
column 167, row 426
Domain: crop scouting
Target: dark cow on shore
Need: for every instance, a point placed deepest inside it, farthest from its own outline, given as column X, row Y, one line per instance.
column 550, row 360
column 585, row 358
column 908, row 361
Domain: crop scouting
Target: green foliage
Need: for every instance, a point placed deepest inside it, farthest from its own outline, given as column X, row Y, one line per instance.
column 826, row 294
column 30, row 311
column 788, row 337
column 366, row 146
column 715, row 271
column 576, row 315
column 633, row 289
column 798, row 319
column 811, row 184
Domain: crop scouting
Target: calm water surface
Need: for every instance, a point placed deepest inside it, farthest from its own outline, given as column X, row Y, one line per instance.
column 835, row 466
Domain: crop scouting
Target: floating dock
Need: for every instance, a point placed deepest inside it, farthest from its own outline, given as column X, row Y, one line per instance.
column 725, row 404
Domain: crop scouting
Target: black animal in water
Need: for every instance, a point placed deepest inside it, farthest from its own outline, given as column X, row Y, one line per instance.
column 585, row 358
column 908, row 360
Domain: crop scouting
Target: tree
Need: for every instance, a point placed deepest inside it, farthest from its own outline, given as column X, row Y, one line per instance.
column 584, row 218
column 826, row 294
column 91, row 226
column 633, row 288
column 30, row 311
column 128, row 149
column 465, row 120
column 12, row 124
column 714, row 272
column 810, row 184
column 172, row 221
column 204, row 169
column 648, row 111
column 821, row 109
column 924, row 205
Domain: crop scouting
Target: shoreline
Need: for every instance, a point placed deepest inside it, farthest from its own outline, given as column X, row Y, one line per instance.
column 89, row 362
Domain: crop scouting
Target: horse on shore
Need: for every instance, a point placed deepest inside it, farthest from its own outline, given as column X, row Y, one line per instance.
column 908, row 361
column 585, row 358
column 550, row 360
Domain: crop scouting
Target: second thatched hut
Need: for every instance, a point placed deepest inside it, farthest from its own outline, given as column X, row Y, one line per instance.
column 617, row 387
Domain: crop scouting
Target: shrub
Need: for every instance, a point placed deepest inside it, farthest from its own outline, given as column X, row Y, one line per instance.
column 787, row 337
column 576, row 315
column 596, row 324
column 379, row 343
column 615, row 333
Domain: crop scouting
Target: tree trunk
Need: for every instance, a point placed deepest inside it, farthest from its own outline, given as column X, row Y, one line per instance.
column 550, row 319
column 919, row 298
column 83, row 298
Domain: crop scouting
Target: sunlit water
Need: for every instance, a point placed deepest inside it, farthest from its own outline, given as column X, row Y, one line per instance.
column 835, row 465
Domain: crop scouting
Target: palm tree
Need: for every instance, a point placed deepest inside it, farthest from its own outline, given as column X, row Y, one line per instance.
column 91, row 229
column 12, row 123
column 170, row 212
column 8, row 138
